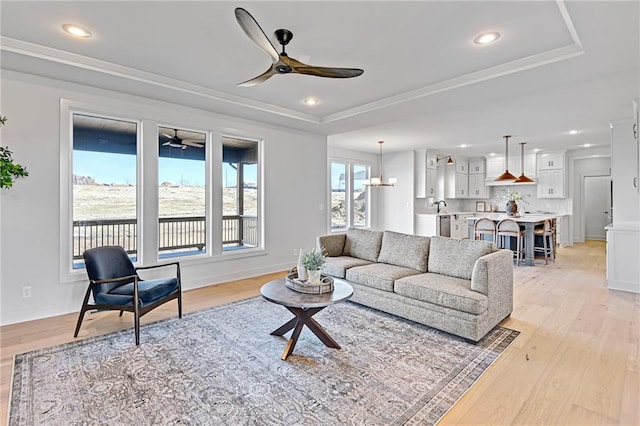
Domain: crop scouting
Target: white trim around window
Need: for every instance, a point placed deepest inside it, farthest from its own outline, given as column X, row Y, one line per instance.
column 148, row 120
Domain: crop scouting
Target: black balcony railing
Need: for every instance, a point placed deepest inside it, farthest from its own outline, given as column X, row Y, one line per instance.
column 175, row 233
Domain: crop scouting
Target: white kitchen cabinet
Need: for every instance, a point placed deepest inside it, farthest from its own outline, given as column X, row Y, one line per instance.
column 425, row 174
column 462, row 185
column 551, row 161
column 456, row 185
column 459, row 229
column 551, row 183
column 562, row 231
column 432, row 160
column 551, row 175
column 477, row 166
column 462, row 166
column 477, row 187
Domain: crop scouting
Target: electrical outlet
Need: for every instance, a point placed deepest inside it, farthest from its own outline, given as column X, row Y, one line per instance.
column 26, row 292
column 295, row 252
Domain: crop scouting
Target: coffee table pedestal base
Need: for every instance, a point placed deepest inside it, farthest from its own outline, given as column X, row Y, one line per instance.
column 302, row 318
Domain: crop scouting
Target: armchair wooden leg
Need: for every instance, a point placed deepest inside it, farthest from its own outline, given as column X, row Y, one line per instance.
column 80, row 318
column 121, row 313
column 180, row 305
column 137, row 329
column 83, row 310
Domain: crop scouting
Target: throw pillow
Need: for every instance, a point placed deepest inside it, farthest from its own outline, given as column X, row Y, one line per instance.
column 410, row 251
column 363, row 244
column 456, row 258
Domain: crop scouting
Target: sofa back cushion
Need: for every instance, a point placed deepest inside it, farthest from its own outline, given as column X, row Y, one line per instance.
column 456, row 258
column 363, row 244
column 410, row 251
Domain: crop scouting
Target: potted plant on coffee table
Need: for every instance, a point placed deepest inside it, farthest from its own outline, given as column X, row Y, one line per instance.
column 313, row 261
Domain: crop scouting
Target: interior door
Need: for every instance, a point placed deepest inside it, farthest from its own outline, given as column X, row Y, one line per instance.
column 596, row 206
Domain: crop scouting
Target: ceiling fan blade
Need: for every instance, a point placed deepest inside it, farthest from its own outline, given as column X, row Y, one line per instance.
column 193, row 142
column 302, row 68
column 168, row 143
column 259, row 79
column 329, row 72
column 255, row 33
column 168, row 136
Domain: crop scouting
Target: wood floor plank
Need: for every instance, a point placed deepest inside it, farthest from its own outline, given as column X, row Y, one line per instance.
column 576, row 361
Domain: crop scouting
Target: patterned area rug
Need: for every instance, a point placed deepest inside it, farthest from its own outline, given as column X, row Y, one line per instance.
column 220, row 366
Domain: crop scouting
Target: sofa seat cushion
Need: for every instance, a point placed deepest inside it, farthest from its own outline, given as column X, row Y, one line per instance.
column 337, row 266
column 411, row 251
column 378, row 275
column 450, row 292
column 363, row 244
column 456, row 258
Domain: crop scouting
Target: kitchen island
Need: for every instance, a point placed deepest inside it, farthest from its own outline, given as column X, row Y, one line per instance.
column 529, row 221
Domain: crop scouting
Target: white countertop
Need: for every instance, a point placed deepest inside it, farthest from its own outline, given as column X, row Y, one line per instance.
column 526, row 218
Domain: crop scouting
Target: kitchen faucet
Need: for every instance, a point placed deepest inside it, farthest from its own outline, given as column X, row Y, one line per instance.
column 437, row 204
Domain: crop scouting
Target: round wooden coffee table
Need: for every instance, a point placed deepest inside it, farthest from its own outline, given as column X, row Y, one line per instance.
column 304, row 306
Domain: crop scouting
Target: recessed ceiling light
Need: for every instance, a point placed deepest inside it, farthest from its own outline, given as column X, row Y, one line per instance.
column 536, row 150
column 587, row 145
column 76, row 30
column 464, row 145
column 486, row 38
column 493, row 154
column 310, row 101
column 574, row 132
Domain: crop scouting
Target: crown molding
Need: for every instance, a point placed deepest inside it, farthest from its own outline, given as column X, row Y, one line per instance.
column 96, row 65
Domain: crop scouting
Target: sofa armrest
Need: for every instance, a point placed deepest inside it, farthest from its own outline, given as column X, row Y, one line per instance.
column 331, row 245
column 493, row 275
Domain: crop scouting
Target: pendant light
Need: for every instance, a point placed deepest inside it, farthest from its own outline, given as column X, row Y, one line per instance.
column 523, row 178
column 375, row 182
column 506, row 175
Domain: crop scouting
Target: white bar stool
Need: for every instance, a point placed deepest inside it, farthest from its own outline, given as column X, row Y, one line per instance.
column 548, row 245
column 510, row 228
column 484, row 227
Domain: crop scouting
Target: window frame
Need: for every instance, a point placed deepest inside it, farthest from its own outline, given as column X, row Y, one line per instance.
column 349, row 199
column 148, row 122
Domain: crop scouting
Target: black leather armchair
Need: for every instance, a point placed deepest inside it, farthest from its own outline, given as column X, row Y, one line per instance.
column 116, row 285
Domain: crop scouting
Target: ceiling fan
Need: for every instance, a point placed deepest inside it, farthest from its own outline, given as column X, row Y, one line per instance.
column 176, row 142
column 283, row 63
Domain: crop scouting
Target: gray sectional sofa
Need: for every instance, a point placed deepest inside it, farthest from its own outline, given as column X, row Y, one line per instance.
column 462, row 287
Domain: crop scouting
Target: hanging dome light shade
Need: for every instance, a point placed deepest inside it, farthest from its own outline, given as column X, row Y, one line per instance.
column 522, row 178
column 506, row 175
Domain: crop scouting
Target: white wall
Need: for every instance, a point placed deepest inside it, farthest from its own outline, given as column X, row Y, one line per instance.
column 396, row 203
column 295, row 182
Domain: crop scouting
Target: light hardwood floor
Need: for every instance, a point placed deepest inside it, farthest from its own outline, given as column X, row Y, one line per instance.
column 576, row 361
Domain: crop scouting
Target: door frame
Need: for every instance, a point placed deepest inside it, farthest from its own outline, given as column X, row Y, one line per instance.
column 583, row 198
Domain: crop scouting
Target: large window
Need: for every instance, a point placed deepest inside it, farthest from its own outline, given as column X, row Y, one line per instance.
column 155, row 188
column 104, row 194
column 240, row 190
column 181, row 192
column 349, row 195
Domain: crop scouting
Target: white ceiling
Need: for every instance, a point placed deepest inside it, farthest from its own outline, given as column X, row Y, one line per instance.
column 558, row 65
